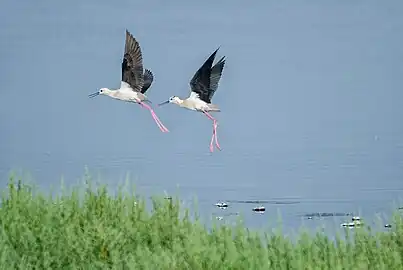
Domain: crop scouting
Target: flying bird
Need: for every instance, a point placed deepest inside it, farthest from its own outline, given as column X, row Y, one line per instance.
column 135, row 82
column 203, row 85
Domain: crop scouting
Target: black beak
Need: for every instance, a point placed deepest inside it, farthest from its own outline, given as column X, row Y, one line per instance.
column 163, row 103
column 93, row 94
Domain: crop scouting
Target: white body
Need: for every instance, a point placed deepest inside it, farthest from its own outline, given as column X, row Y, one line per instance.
column 124, row 93
column 194, row 103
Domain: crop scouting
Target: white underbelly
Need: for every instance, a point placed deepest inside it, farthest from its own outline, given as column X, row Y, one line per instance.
column 129, row 96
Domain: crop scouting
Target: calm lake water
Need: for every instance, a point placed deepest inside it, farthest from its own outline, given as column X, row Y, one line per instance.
column 311, row 100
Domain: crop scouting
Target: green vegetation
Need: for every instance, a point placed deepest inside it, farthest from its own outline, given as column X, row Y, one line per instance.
column 94, row 230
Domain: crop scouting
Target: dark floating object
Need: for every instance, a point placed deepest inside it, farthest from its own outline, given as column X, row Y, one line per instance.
column 259, row 209
column 388, row 226
column 352, row 224
column 325, row 214
column 264, row 201
column 221, row 205
column 356, row 222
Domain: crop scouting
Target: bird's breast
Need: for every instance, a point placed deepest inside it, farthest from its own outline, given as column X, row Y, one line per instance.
column 128, row 96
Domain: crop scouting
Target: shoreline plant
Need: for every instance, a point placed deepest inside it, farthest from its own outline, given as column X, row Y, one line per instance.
column 91, row 229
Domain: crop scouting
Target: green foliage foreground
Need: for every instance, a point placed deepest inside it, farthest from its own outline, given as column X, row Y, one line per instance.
column 97, row 231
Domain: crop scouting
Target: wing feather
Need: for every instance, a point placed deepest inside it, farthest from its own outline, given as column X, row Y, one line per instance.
column 148, row 80
column 215, row 76
column 132, row 64
column 200, row 83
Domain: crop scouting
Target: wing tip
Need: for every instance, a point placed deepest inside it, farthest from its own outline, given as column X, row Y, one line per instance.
column 132, row 45
column 149, row 72
column 222, row 60
column 130, row 37
column 128, row 34
column 215, row 52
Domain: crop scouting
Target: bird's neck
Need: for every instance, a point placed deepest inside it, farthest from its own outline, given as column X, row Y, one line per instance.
column 111, row 92
column 179, row 101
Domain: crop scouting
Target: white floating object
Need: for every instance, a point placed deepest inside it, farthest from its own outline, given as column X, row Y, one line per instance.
column 355, row 218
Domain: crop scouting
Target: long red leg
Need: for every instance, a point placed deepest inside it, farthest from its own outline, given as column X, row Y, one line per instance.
column 155, row 117
column 211, row 142
column 216, row 137
column 214, row 132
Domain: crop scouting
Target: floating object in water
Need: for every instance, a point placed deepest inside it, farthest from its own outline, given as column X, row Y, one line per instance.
column 219, row 218
column 327, row 214
column 388, row 226
column 264, row 201
column 259, row 209
column 352, row 224
column 221, row 205
column 356, row 218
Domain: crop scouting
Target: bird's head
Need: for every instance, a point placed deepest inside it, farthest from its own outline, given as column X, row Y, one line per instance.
column 173, row 99
column 102, row 91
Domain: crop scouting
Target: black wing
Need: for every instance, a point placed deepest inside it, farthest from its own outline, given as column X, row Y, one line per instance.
column 215, row 76
column 148, row 80
column 132, row 65
column 200, row 83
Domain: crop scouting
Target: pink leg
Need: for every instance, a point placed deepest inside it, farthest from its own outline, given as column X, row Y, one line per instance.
column 214, row 132
column 211, row 143
column 216, row 137
column 157, row 120
column 155, row 117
